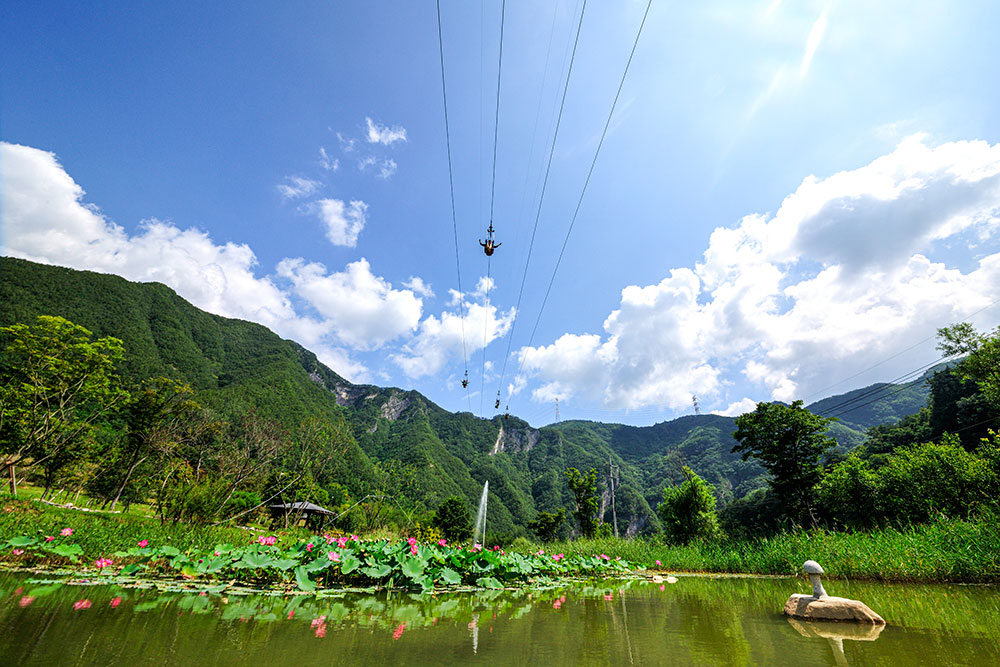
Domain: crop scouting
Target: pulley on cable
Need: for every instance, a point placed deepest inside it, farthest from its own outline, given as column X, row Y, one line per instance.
column 465, row 380
column 490, row 245
column 496, row 406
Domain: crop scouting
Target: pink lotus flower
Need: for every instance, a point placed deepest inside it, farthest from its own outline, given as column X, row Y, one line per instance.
column 398, row 632
column 442, row 542
column 115, row 602
column 267, row 540
column 309, row 547
column 25, row 601
column 556, row 604
column 316, row 622
column 411, row 541
column 334, row 556
column 329, row 539
column 49, row 538
column 658, row 563
column 321, row 630
column 609, row 596
column 81, row 604
column 66, row 532
column 663, row 587
column 605, row 557
column 291, row 614
column 354, row 538
column 143, row 544
column 413, row 549
column 102, row 563
column 342, row 542
column 18, row 552
column 218, row 553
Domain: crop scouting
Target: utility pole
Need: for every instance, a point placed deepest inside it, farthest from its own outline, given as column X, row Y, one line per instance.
column 612, row 482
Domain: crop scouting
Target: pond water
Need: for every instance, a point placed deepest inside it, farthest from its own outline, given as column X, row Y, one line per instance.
column 696, row 621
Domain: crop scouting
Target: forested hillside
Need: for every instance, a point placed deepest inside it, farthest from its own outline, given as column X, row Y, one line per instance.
column 402, row 444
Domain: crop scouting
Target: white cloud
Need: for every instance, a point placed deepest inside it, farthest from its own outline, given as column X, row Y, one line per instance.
column 328, row 163
column 297, row 186
column 384, row 169
column 419, row 286
column 360, row 308
column 45, row 220
column 439, row 340
column 346, row 143
column 737, row 408
column 839, row 278
column 344, row 222
column 381, row 134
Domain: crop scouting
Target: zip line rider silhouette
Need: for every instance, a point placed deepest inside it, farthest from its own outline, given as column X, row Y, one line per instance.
column 490, row 244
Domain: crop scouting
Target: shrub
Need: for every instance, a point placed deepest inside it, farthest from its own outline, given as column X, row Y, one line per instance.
column 453, row 519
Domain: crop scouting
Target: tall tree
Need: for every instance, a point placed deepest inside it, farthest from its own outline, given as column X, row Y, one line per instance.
column 982, row 361
column 55, row 385
column 688, row 510
column 789, row 442
column 584, row 488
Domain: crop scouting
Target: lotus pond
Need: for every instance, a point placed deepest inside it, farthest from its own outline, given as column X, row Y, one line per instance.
column 699, row 620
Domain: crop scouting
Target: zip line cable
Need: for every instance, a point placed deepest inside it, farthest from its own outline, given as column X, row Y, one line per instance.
column 579, row 203
column 879, row 393
column 545, row 180
column 493, row 188
column 454, row 218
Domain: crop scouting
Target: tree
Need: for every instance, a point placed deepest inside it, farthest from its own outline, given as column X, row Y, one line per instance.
column 158, row 417
column 688, row 510
column 789, row 442
column 55, row 385
column 546, row 524
column 454, row 519
column 584, row 488
column 982, row 361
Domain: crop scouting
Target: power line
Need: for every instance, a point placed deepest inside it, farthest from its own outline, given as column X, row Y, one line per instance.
column 454, row 218
column 583, row 192
column 496, row 119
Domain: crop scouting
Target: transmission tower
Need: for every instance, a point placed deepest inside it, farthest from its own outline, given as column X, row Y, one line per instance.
column 557, row 410
column 697, row 408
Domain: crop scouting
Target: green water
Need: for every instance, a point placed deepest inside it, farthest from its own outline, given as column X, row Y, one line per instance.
column 696, row 621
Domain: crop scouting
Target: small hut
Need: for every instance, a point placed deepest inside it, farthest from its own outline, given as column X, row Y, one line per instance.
column 310, row 514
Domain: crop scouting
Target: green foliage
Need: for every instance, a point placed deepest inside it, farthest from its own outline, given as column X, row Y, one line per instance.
column 789, row 441
column 55, row 383
column 850, row 494
column 546, row 524
column 982, row 361
column 453, row 519
column 688, row 510
column 584, row 489
column 756, row 514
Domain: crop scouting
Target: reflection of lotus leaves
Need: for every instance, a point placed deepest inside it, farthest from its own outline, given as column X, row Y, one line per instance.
column 865, row 632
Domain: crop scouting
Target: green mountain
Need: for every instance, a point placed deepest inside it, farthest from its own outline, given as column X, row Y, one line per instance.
column 237, row 366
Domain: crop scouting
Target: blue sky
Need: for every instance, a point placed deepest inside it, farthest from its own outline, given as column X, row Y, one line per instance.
column 789, row 195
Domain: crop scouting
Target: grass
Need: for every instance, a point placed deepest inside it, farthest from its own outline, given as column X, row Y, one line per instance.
column 944, row 551
column 100, row 534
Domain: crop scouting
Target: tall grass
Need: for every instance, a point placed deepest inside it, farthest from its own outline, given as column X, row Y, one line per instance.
column 100, row 534
column 946, row 550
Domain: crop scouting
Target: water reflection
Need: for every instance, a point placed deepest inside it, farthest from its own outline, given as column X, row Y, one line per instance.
column 835, row 634
column 698, row 620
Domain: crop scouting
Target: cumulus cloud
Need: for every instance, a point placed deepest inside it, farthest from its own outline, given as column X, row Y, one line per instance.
column 419, row 286
column 439, row 340
column 737, row 408
column 361, row 309
column 297, row 186
column 381, row 134
column 841, row 276
column 46, row 220
column 344, row 222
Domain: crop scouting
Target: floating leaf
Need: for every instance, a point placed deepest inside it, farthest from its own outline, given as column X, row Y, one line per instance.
column 302, row 579
column 377, row 571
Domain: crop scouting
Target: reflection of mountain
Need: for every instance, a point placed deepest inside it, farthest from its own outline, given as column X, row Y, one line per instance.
column 236, row 365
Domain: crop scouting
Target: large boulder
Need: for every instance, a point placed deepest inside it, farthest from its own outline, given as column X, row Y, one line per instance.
column 829, row 608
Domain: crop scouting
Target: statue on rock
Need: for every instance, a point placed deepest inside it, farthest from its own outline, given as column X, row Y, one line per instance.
column 822, row 607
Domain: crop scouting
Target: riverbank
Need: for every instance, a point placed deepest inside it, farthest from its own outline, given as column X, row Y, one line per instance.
column 944, row 551
column 947, row 550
